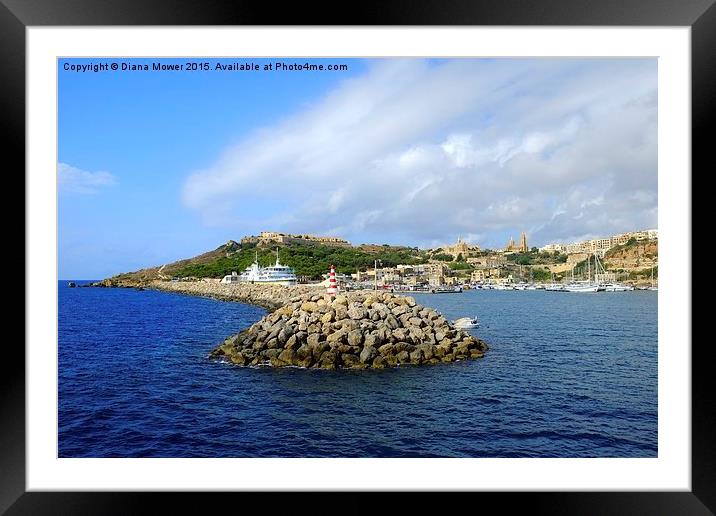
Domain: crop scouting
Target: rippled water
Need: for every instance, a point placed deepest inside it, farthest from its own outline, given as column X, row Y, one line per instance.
column 567, row 375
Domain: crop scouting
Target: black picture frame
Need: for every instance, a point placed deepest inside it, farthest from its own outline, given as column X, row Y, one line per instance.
column 17, row 15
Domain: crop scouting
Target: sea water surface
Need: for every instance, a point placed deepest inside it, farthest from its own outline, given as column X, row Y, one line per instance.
column 567, row 375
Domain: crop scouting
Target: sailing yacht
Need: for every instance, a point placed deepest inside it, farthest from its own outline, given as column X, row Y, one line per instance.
column 653, row 287
column 585, row 285
column 582, row 286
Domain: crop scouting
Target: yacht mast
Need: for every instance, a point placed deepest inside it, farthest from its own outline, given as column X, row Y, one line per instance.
column 652, row 275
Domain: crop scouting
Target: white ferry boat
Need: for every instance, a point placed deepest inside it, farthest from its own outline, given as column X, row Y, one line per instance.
column 275, row 274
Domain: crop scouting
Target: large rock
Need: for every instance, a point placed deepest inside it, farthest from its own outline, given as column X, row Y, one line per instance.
column 367, row 355
column 355, row 337
column 357, row 311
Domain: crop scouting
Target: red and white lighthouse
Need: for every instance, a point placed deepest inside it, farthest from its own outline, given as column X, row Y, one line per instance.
column 332, row 284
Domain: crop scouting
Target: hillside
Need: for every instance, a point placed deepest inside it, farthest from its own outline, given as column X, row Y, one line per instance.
column 174, row 269
column 309, row 261
column 633, row 256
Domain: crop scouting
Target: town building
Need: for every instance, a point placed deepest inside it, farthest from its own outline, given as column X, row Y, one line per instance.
column 461, row 248
column 478, row 276
column 605, row 277
column 488, row 262
column 551, row 248
column 600, row 246
column 271, row 237
column 514, row 248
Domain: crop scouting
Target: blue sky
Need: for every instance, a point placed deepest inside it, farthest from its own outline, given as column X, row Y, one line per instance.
column 157, row 166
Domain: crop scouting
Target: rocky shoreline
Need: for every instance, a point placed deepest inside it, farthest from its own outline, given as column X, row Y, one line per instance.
column 356, row 330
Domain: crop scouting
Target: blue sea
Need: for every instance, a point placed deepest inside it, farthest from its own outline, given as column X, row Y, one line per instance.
column 567, row 375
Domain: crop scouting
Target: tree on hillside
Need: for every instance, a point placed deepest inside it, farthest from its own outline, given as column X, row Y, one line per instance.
column 443, row 257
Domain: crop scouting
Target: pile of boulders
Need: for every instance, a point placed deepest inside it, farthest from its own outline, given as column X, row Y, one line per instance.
column 356, row 330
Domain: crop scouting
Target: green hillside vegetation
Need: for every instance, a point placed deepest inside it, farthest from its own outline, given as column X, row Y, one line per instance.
column 442, row 257
column 539, row 274
column 534, row 257
column 311, row 261
column 460, row 266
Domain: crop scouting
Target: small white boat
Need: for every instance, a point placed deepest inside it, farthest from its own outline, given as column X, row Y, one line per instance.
column 555, row 287
column 466, row 322
column 617, row 287
column 582, row 287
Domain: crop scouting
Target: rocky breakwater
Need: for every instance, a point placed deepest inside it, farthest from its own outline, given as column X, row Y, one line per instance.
column 356, row 330
column 264, row 295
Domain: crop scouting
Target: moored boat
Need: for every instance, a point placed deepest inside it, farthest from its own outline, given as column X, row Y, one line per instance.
column 276, row 274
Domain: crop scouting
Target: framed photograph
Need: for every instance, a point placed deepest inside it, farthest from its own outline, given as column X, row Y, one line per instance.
column 417, row 253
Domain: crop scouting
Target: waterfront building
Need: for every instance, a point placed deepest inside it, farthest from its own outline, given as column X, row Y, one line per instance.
column 478, row 276
column 390, row 276
column 436, row 281
column 605, row 277
column 430, row 269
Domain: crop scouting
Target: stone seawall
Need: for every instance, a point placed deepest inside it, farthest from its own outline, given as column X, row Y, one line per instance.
column 270, row 297
column 356, row 330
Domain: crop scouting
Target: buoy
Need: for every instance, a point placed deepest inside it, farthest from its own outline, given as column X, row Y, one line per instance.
column 332, row 284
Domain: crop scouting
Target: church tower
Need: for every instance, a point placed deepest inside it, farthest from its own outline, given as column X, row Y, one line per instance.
column 523, row 243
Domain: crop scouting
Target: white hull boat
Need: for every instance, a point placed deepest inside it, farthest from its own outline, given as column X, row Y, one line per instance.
column 277, row 274
column 582, row 287
column 465, row 323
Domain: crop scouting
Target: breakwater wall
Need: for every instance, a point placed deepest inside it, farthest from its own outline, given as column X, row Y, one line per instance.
column 270, row 297
column 356, row 330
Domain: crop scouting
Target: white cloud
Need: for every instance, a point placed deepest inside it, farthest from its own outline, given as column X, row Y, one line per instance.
column 419, row 152
column 72, row 179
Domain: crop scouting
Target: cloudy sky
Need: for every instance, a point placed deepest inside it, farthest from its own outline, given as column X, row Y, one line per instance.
column 155, row 167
